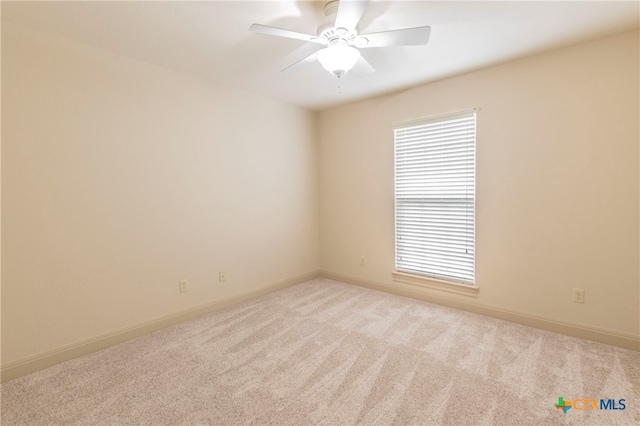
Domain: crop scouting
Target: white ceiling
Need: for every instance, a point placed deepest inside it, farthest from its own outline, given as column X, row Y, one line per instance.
column 211, row 39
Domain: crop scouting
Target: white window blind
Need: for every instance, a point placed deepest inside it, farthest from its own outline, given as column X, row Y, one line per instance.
column 435, row 197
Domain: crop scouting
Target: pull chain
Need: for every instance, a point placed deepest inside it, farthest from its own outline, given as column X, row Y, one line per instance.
column 339, row 88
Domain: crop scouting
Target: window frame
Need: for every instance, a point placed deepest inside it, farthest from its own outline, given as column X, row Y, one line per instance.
column 426, row 277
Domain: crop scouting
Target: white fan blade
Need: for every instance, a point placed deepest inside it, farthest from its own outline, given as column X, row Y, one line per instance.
column 403, row 37
column 362, row 68
column 301, row 63
column 279, row 32
column 349, row 13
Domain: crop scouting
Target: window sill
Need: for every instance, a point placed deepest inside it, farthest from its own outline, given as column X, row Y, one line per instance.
column 435, row 284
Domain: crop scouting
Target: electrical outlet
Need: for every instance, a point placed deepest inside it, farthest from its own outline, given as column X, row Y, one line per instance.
column 363, row 261
column 222, row 277
column 578, row 295
column 184, row 286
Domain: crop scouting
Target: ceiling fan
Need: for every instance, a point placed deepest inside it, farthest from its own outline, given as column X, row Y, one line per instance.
column 339, row 41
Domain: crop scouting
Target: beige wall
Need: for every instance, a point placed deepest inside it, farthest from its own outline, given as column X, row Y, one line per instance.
column 120, row 178
column 557, row 182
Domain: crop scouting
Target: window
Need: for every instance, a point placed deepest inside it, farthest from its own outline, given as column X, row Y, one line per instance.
column 435, row 197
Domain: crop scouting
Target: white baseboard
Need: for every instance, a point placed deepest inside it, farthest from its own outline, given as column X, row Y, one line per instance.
column 609, row 337
column 32, row 364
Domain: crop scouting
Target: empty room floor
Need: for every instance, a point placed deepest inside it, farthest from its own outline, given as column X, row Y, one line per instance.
column 325, row 352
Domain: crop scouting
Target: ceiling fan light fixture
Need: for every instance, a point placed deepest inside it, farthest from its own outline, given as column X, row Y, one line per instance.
column 338, row 60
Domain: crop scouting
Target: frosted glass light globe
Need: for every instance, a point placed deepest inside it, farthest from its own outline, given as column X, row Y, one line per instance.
column 338, row 60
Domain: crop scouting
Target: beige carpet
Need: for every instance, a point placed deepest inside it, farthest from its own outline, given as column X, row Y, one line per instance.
column 324, row 352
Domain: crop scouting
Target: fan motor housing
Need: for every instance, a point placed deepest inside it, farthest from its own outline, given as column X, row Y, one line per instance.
column 328, row 31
